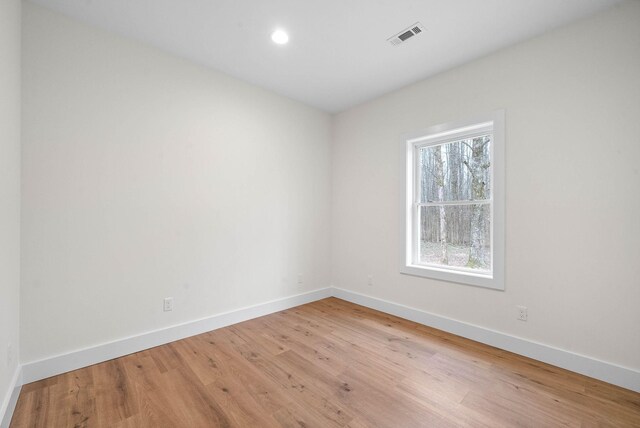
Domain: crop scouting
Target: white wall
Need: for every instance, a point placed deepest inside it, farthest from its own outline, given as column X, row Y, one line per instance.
column 572, row 101
column 147, row 176
column 9, row 193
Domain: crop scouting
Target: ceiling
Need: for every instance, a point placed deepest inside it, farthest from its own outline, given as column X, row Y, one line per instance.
column 338, row 55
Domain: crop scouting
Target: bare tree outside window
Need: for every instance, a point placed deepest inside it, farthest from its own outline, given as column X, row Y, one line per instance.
column 455, row 204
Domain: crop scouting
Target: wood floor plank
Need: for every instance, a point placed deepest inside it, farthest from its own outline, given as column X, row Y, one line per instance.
column 325, row 364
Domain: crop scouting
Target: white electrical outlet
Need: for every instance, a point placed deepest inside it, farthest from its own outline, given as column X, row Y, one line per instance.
column 522, row 313
column 168, row 304
column 370, row 280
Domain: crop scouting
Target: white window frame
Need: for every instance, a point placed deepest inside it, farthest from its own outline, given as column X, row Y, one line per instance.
column 441, row 134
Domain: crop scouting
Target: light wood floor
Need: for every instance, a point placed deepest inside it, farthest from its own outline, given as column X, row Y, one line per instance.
column 328, row 363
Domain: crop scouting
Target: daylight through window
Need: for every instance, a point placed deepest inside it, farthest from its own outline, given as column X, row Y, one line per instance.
column 452, row 183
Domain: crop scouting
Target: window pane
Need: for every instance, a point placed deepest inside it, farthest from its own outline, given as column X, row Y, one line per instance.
column 456, row 236
column 457, row 171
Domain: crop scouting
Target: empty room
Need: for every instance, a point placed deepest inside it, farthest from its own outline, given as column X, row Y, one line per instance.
column 285, row 213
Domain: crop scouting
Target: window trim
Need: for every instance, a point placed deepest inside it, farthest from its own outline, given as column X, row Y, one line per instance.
column 436, row 135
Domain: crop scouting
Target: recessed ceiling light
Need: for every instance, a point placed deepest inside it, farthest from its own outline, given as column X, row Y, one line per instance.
column 280, row 37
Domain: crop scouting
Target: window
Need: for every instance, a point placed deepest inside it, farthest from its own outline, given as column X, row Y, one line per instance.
column 454, row 202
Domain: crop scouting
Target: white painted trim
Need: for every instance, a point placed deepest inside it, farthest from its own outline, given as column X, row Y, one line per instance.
column 11, row 398
column 602, row 370
column 36, row 370
column 493, row 122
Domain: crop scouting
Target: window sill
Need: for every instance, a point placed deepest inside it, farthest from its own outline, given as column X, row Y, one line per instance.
column 460, row 277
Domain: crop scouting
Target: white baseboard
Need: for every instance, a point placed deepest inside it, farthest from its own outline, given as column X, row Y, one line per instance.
column 607, row 372
column 36, row 370
column 11, row 398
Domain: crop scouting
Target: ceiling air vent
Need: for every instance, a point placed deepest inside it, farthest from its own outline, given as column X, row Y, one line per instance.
column 406, row 34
